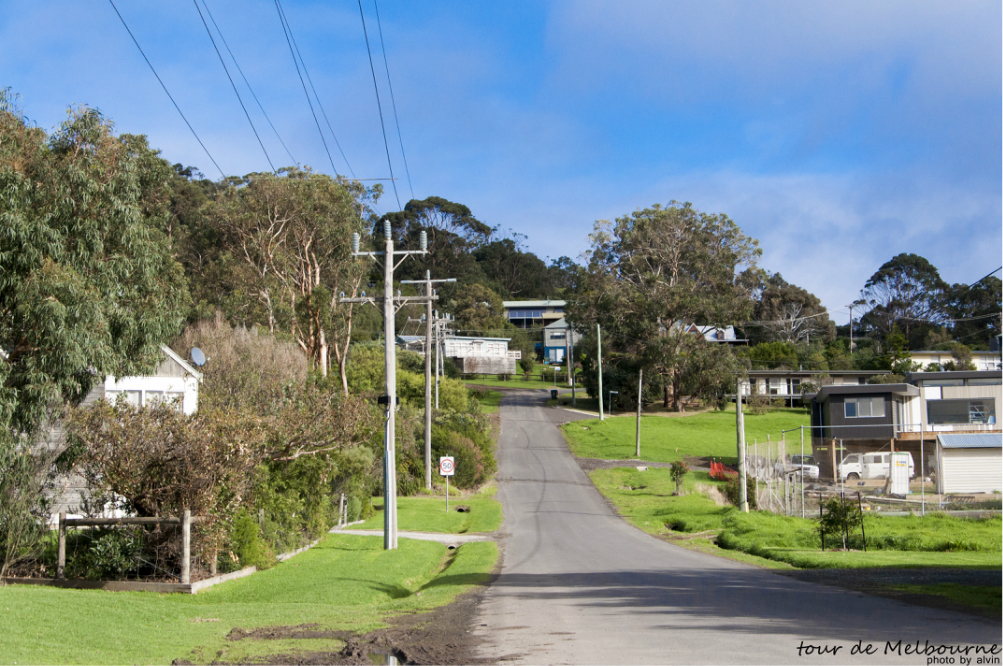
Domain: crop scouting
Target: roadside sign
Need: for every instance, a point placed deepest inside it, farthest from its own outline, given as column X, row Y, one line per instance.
column 446, row 466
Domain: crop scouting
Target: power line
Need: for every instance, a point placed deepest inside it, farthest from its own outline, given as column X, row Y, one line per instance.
column 234, row 85
column 286, row 32
column 292, row 37
column 980, row 280
column 248, row 83
column 162, row 85
column 379, row 106
column 393, row 102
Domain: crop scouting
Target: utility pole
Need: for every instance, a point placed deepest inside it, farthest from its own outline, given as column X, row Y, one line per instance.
column 571, row 339
column 640, row 383
column 851, row 331
column 743, row 501
column 390, row 361
column 599, row 350
column 428, row 371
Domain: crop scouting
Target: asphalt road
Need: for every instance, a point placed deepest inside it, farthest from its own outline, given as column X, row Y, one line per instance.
column 579, row 585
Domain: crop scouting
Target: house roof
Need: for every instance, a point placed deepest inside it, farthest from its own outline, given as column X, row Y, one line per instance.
column 475, row 337
column 834, row 373
column 560, row 323
column 868, row 389
column 533, row 304
column 190, row 369
column 956, row 374
column 971, row 440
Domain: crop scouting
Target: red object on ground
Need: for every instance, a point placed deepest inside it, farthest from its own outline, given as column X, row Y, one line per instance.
column 720, row 472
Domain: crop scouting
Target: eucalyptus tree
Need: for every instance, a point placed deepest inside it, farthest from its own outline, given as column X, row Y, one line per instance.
column 654, row 274
column 289, row 237
column 88, row 284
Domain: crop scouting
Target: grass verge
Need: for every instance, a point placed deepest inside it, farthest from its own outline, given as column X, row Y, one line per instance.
column 428, row 514
column 987, row 598
column 665, row 439
column 345, row 582
column 695, row 519
column 490, row 401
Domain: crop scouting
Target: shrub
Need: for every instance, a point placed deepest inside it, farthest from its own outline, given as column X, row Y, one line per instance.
column 733, row 492
column 106, row 554
column 759, row 404
column 247, row 543
column 679, row 470
column 840, row 518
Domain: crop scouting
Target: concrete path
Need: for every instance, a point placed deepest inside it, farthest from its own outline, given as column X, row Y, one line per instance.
column 454, row 540
column 579, row 585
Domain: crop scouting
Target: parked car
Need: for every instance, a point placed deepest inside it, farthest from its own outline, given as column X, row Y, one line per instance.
column 868, row 466
column 804, row 465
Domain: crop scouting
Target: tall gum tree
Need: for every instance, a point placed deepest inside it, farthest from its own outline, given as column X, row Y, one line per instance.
column 292, row 232
column 655, row 273
column 88, row 284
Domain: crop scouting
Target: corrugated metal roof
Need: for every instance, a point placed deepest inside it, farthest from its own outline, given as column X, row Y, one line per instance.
column 533, row 304
column 971, row 440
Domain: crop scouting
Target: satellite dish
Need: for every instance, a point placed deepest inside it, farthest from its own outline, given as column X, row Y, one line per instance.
column 198, row 358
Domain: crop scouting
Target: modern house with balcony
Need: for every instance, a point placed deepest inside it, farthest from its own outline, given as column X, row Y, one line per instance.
column 533, row 314
column 908, row 416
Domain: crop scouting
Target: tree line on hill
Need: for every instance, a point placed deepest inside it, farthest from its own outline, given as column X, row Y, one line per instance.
column 108, row 250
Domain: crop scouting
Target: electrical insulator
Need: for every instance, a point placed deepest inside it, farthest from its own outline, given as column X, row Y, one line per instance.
column 424, row 241
column 386, row 229
column 355, row 242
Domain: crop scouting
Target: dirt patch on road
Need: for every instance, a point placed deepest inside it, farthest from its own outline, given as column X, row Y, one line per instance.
column 442, row 636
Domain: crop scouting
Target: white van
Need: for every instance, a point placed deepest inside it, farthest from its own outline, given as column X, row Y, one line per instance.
column 868, row 466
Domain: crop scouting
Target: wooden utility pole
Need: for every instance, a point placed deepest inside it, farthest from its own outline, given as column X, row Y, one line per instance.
column 428, row 371
column 740, row 427
column 640, row 383
column 599, row 355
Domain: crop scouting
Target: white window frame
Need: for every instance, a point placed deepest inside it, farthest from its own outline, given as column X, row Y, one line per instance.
column 859, row 403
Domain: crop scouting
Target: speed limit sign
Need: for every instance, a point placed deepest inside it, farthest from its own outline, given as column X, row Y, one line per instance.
column 446, row 466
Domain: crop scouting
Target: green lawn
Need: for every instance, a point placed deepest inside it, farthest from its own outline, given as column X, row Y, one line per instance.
column 645, row 500
column 668, row 438
column 428, row 514
column 345, row 582
column 987, row 598
column 490, row 401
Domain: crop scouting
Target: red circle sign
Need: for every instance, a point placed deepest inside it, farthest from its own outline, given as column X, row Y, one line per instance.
column 446, row 466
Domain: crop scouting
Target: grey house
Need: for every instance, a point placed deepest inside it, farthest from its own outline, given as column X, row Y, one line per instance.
column 903, row 417
column 856, row 419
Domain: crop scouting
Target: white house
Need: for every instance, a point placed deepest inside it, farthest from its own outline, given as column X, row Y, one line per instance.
column 174, row 379
column 489, row 356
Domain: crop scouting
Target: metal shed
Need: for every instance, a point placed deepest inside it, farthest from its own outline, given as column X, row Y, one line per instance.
column 970, row 463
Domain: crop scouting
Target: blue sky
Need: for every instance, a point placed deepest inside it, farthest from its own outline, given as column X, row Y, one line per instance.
column 838, row 134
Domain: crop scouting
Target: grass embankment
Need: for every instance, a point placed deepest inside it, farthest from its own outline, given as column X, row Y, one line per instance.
column 428, row 514
column 694, row 519
column 345, row 582
column 489, row 401
column 665, row 439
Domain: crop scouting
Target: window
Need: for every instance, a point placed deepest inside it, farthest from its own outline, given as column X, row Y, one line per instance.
column 864, row 407
column 558, row 336
column 775, row 385
column 943, row 382
column 960, row 411
column 991, row 381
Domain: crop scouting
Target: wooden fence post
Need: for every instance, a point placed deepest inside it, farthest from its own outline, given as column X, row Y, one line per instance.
column 341, row 510
column 61, row 556
column 186, row 547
